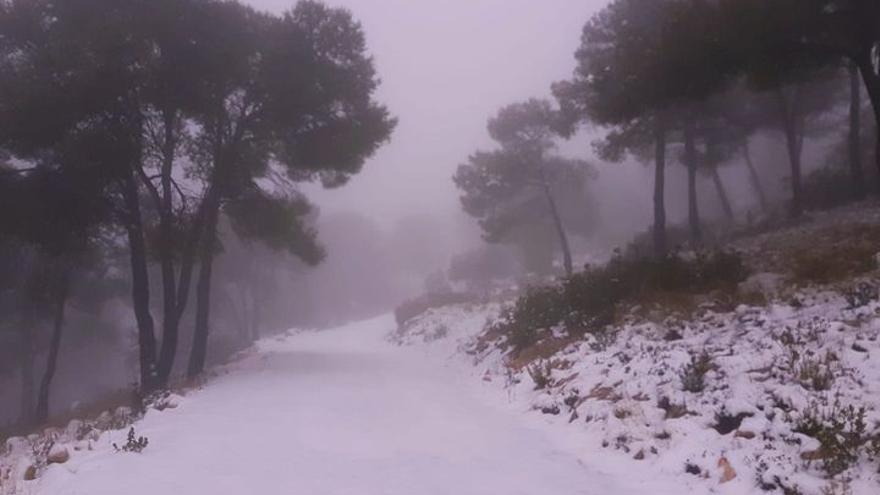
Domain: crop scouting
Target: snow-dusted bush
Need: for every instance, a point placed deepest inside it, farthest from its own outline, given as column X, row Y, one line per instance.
column 133, row 443
column 843, row 434
column 693, row 376
column 588, row 302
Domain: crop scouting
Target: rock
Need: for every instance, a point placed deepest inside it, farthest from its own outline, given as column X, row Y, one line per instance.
column 30, row 473
column 58, row 455
column 748, row 435
column 858, row 348
column 728, row 473
column 552, row 410
column 640, row 455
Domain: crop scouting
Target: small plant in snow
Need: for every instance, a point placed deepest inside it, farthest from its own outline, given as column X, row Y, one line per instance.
column 134, row 443
column 542, row 374
column 603, row 339
column 693, row 376
column 813, row 373
column 837, row 488
column 842, row 432
column 861, row 295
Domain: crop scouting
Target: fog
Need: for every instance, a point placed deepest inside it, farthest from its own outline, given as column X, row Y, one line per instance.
column 445, row 68
column 404, row 227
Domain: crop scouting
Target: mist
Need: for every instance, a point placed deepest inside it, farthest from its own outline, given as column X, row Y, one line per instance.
column 188, row 184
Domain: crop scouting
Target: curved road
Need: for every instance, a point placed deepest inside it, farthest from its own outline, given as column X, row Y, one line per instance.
column 338, row 413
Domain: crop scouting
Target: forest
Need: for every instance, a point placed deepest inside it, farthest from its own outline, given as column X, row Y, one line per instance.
column 135, row 141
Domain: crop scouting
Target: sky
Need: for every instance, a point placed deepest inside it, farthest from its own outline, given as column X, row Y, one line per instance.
column 446, row 67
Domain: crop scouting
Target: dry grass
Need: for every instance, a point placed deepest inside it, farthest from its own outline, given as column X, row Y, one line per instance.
column 820, row 255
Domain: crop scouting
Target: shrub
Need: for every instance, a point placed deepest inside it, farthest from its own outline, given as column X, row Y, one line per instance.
column 587, row 302
column 814, row 374
column 842, row 435
column 417, row 307
column 827, row 187
column 810, row 371
column 133, row 443
column 539, row 308
column 693, row 376
column 861, row 295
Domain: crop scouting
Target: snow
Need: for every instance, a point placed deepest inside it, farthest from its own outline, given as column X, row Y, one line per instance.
column 336, row 412
column 616, row 390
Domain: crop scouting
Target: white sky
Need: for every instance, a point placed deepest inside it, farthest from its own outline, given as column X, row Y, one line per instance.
column 446, row 66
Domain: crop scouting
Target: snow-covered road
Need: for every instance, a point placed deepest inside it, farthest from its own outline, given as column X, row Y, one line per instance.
column 336, row 412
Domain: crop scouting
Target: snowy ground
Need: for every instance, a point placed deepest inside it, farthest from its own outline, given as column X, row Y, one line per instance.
column 338, row 412
column 609, row 396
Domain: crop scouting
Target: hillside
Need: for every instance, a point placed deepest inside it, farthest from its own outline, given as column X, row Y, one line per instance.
column 769, row 387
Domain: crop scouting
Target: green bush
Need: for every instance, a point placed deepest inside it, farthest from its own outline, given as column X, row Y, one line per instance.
column 827, row 187
column 842, row 433
column 587, row 302
column 693, row 376
column 538, row 309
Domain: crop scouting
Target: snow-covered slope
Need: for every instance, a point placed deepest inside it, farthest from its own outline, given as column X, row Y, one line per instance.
column 769, row 372
column 337, row 412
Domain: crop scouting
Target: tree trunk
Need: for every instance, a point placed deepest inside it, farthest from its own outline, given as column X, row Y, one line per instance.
column 41, row 416
column 660, row 247
column 140, row 283
column 793, row 129
column 199, row 351
column 560, row 228
column 26, row 364
column 872, row 85
column 690, row 158
column 722, row 194
column 754, row 178
column 256, row 319
column 855, row 133
column 170, row 316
